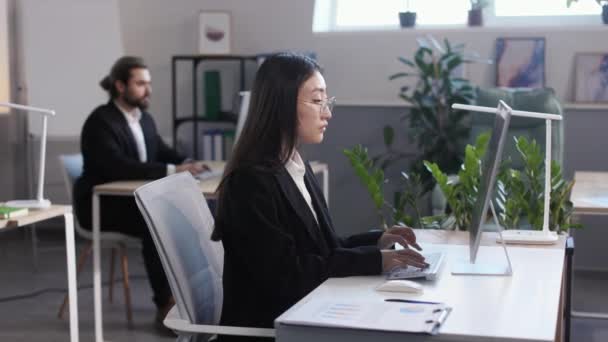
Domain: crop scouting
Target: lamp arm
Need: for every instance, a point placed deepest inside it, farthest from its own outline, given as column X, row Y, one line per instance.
column 40, row 201
column 41, row 166
column 547, row 175
column 44, row 111
column 513, row 112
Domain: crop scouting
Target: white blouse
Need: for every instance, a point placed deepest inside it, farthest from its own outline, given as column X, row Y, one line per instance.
column 296, row 169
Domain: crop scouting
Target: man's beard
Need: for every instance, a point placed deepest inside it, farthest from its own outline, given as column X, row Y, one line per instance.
column 142, row 103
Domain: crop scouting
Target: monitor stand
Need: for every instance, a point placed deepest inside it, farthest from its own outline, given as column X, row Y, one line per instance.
column 487, row 269
column 467, row 268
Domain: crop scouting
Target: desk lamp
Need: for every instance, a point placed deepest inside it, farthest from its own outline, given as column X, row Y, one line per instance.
column 544, row 236
column 39, row 202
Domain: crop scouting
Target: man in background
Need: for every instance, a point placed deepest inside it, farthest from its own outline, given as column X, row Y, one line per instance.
column 119, row 141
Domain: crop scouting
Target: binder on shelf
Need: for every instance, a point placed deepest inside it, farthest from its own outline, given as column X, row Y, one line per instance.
column 207, row 145
column 228, row 143
column 218, row 145
column 212, row 94
column 398, row 315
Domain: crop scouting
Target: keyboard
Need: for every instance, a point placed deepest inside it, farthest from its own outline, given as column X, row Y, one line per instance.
column 433, row 259
column 209, row 174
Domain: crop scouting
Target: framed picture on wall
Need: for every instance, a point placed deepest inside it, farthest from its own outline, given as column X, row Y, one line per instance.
column 591, row 84
column 520, row 62
column 215, row 33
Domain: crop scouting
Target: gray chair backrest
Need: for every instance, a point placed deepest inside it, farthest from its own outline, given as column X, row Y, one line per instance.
column 180, row 222
column 72, row 165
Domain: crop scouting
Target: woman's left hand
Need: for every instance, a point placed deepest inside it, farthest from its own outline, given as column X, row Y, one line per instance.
column 398, row 234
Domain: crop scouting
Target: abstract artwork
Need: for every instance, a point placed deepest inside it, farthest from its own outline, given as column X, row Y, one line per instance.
column 214, row 33
column 591, row 77
column 520, row 62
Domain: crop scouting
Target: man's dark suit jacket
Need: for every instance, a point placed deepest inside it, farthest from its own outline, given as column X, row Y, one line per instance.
column 110, row 154
column 275, row 252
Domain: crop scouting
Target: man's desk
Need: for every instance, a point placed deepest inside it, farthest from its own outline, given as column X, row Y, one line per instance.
column 590, row 197
column 526, row 306
column 126, row 188
column 38, row 215
column 590, row 193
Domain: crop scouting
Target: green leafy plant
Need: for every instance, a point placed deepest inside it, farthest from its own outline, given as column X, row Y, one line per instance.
column 523, row 192
column 519, row 193
column 438, row 131
column 462, row 194
column 373, row 179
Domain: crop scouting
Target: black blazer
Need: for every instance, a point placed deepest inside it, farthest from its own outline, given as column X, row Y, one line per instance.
column 275, row 252
column 110, row 154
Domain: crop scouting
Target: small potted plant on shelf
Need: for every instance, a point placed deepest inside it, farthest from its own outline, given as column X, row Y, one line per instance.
column 603, row 3
column 407, row 18
column 475, row 13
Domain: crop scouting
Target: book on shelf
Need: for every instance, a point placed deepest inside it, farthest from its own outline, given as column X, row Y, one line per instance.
column 10, row 212
column 217, row 144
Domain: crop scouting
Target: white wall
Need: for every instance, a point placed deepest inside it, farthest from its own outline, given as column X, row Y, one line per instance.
column 357, row 63
column 4, row 74
column 69, row 46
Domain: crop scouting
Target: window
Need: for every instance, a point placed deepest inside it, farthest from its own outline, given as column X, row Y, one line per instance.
column 341, row 15
column 384, row 13
column 515, row 8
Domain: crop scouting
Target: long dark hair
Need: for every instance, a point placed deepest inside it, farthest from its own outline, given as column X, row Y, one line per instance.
column 121, row 71
column 269, row 135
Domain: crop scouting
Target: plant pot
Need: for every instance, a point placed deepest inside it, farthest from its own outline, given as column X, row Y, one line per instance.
column 407, row 19
column 605, row 14
column 475, row 17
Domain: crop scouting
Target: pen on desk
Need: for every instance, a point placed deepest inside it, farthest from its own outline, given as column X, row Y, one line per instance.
column 411, row 301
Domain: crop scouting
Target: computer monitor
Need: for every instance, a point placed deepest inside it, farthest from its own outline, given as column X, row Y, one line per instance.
column 489, row 168
column 243, row 111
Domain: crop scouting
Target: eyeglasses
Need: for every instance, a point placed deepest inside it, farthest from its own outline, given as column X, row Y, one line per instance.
column 327, row 104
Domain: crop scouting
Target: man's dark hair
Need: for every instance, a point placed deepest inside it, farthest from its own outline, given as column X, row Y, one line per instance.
column 121, row 71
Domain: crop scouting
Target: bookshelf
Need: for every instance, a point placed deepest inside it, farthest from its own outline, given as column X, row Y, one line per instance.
column 179, row 117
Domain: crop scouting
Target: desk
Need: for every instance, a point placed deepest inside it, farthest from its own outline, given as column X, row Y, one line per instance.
column 523, row 307
column 590, row 197
column 126, row 188
column 38, row 215
column 590, row 193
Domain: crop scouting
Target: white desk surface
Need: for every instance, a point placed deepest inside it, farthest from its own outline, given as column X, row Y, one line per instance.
column 590, row 192
column 35, row 215
column 523, row 307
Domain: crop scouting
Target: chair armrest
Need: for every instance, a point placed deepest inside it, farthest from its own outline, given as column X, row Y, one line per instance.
column 174, row 322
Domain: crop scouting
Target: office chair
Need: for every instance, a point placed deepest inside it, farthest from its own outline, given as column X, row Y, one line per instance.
column 180, row 223
column 72, row 165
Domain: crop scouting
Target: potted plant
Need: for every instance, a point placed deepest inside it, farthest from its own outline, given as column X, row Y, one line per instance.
column 475, row 13
column 439, row 132
column 603, row 3
column 373, row 179
column 520, row 193
column 407, row 18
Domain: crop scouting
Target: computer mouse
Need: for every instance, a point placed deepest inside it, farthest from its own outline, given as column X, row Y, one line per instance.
column 400, row 285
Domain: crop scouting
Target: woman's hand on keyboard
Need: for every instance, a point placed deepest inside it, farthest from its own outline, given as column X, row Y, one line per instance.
column 401, row 258
column 398, row 234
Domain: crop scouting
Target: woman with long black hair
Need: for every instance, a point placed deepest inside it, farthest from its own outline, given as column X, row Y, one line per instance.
column 279, row 241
